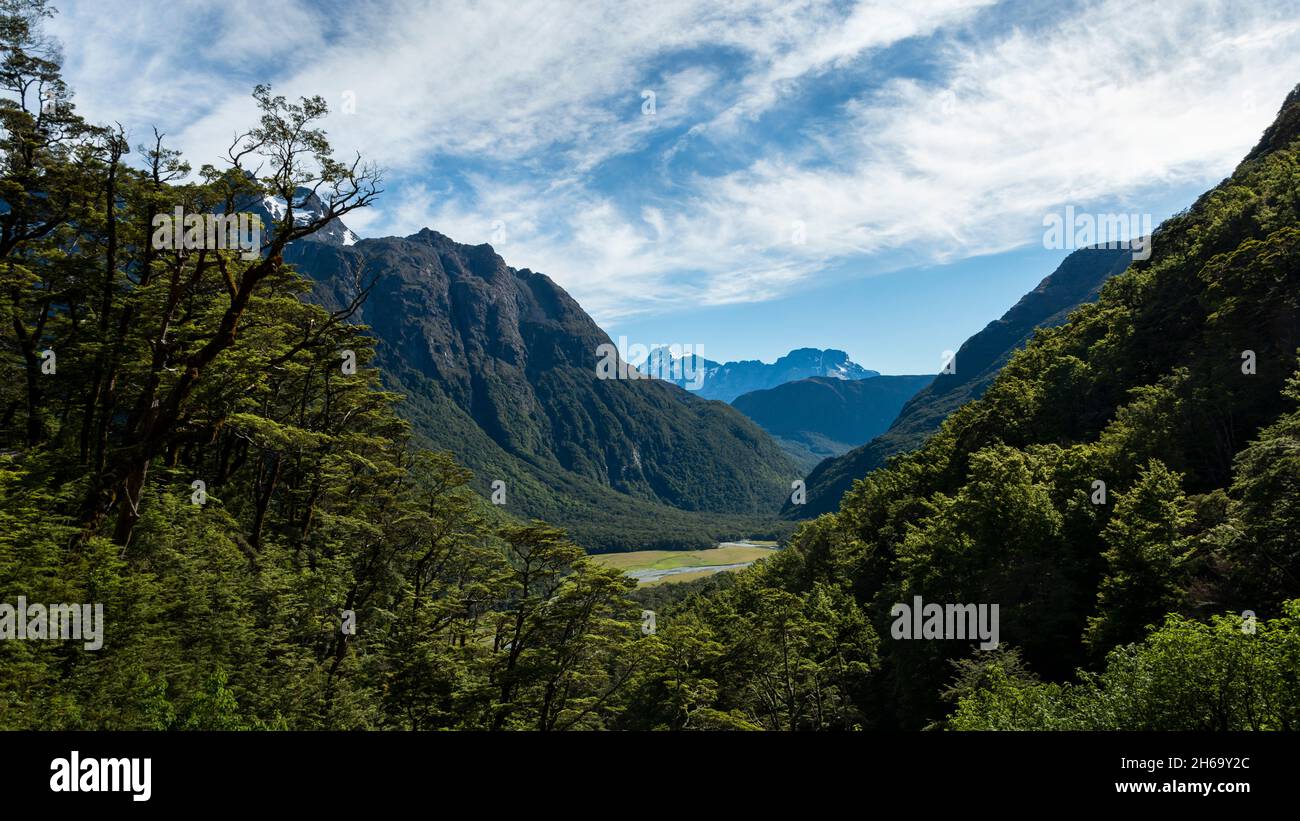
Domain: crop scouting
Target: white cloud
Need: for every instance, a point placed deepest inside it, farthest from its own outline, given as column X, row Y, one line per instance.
column 1101, row 107
column 1103, row 102
column 829, row 40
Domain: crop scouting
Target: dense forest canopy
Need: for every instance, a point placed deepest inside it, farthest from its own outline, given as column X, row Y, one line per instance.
column 187, row 441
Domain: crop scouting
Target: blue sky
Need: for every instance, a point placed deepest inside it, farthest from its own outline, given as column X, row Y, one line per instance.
column 867, row 176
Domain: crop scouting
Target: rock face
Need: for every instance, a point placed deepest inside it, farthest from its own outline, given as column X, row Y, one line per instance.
column 1078, row 280
column 500, row 366
column 728, row 380
column 816, row 418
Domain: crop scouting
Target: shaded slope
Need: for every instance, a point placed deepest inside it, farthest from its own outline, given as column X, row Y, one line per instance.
column 1178, row 390
column 1076, row 281
column 499, row 366
column 820, row 417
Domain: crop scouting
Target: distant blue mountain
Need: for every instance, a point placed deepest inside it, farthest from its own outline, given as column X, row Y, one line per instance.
column 819, row 417
column 728, row 380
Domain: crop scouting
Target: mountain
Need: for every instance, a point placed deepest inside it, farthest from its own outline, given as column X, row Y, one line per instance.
column 1076, row 281
column 307, row 206
column 820, row 417
column 1122, row 499
column 500, row 366
column 1126, row 490
column 726, row 381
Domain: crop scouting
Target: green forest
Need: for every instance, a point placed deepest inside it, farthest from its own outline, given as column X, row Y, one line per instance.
column 183, row 441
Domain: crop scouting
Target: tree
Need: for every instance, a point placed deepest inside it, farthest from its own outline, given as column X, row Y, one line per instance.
column 1148, row 548
column 1186, row 675
column 1263, row 535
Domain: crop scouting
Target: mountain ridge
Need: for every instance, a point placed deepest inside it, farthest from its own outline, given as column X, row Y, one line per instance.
column 727, row 380
column 499, row 366
column 1076, row 281
column 820, row 417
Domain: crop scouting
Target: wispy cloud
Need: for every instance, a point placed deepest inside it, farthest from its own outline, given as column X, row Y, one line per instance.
column 780, row 145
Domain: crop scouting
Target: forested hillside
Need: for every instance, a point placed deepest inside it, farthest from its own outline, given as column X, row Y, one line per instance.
column 1077, row 280
column 191, row 445
column 1177, row 389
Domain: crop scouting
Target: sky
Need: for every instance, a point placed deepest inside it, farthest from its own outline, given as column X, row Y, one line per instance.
column 743, row 177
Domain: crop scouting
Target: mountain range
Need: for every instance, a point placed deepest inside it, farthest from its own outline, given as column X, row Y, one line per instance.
column 728, row 380
column 230, row 457
column 500, row 366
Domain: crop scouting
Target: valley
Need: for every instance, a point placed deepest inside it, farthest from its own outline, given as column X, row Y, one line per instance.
column 338, row 481
column 651, row 567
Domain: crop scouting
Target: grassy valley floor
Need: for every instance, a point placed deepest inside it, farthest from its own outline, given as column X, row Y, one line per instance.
column 652, row 567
